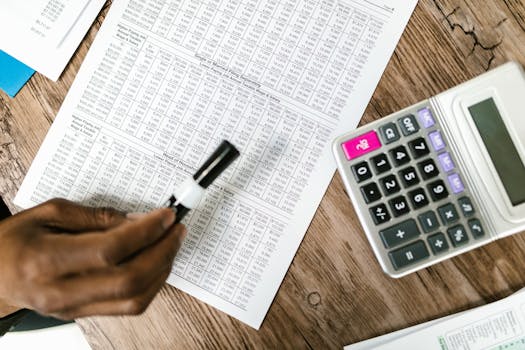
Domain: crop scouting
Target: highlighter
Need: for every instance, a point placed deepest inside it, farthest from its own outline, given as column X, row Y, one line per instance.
column 188, row 195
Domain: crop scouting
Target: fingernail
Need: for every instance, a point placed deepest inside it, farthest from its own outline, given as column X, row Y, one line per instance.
column 169, row 218
column 135, row 216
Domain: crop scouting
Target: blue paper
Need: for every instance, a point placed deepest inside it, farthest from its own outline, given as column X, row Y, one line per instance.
column 13, row 74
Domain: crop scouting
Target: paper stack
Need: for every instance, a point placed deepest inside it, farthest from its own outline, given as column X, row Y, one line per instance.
column 496, row 326
column 43, row 36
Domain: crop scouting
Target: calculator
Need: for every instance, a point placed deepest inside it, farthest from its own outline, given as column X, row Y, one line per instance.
column 443, row 176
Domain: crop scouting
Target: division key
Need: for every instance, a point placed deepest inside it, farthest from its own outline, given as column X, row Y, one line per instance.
column 409, row 254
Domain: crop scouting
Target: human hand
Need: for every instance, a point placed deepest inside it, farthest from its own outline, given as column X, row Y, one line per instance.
column 69, row 261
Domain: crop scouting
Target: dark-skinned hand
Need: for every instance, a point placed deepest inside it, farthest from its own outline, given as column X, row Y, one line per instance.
column 69, row 261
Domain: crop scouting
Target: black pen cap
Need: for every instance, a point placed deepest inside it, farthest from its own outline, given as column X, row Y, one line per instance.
column 219, row 161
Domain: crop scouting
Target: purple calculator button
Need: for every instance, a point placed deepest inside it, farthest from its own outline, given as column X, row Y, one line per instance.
column 425, row 118
column 446, row 162
column 455, row 183
column 437, row 140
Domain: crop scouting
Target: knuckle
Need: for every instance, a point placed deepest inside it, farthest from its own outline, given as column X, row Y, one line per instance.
column 130, row 285
column 30, row 268
column 105, row 216
column 55, row 206
column 107, row 253
column 36, row 264
column 137, row 306
column 43, row 303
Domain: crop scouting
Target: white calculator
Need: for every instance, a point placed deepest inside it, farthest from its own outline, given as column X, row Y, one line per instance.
column 443, row 176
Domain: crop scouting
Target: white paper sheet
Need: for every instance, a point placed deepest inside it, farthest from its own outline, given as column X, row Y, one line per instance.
column 44, row 34
column 166, row 81
column 65, row 337
column 496, row 326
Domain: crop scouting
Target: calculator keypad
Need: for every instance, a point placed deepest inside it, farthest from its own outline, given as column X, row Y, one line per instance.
column 414, row 191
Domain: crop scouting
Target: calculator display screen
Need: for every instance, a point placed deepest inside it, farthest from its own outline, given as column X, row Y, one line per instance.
column 501, row 149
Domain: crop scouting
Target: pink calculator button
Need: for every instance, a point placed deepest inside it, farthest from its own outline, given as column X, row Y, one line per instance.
column 361, row 145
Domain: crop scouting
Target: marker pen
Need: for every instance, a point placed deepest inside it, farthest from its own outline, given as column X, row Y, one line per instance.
column 188, row 195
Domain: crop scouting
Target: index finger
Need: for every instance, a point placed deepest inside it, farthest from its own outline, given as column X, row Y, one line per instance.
column 80, row 253
column 63, row 215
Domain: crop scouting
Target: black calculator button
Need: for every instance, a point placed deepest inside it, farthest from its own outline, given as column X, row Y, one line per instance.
column 428, row 221
column 458, row 235
column 399, row 206
column 390, row 185
column 381, row 163
column 371, row 192
column 389, row 133
column 361, row 172
column 409, row 176
column 428, row 169
column 418, row 198
column 380, row 214
column 419, row 147
column 438, row 243
column 408, row 255
column 475, row 228
column 437, row 190
column 466, row 206
column 400, row 155
column 400, row 233
column 408, row 125
column 448, row 214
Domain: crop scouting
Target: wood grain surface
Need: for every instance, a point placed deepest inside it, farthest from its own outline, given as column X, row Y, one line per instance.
column 335, row 292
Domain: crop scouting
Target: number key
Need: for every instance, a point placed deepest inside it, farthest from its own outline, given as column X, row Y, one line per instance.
column 390, row 185
column 400, row 155
column 381, row 163
column 399, row 206
column 428, row 169
column 418, row 198
column 419, row 147
column 409, row 176
column 437, row 190
column 361, row 172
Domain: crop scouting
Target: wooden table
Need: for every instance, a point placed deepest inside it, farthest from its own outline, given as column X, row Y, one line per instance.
column 335, row 292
